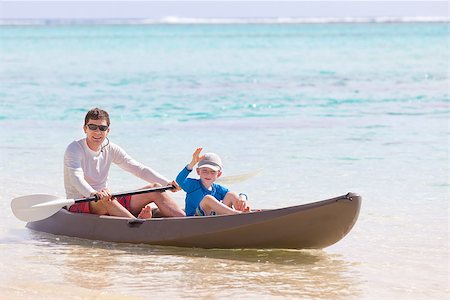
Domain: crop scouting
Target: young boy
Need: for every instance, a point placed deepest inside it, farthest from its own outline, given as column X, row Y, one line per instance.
column 203, row 196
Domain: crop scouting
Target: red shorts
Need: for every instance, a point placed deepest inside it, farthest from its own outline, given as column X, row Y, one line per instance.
column 83, row 207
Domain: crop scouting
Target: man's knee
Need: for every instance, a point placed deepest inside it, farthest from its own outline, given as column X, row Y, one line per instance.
column 99, row 207
column 152, row 185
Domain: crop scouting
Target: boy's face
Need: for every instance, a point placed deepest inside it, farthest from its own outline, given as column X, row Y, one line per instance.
column 207, row 175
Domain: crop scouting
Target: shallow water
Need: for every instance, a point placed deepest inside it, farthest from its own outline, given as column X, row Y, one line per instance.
column 322, row 109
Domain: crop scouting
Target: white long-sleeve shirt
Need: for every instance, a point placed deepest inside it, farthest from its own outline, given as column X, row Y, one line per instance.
column 86, row 171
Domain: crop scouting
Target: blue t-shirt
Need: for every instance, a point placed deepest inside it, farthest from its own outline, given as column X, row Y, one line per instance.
column 195, row 191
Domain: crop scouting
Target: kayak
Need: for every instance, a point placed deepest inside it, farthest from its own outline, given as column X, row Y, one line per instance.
column 308, row 226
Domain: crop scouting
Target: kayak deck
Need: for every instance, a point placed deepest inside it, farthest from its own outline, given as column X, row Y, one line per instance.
column 309, row 226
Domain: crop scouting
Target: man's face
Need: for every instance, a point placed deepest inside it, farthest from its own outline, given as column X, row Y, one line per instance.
column 94, row 134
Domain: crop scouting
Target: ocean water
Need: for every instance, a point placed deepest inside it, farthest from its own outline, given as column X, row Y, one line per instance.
column 321, row 109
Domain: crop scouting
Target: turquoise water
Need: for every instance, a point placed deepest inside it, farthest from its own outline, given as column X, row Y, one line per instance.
column 156, row 72
column 322, row 109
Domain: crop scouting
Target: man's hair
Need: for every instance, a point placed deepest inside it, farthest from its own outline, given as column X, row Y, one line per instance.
column 96, row 114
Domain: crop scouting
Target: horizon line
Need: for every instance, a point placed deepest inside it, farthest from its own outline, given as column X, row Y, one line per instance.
column 226, row 20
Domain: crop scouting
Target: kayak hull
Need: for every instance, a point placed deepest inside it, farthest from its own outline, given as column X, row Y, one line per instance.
column 309, row 226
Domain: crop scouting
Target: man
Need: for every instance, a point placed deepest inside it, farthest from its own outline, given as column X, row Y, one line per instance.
column 86, row 167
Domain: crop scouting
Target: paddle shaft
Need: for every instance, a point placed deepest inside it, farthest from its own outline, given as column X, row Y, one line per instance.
column 40, row 206
column 121, row 194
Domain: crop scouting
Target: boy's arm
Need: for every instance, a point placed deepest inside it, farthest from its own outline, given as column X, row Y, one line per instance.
column 182, row 179
column 239, row 202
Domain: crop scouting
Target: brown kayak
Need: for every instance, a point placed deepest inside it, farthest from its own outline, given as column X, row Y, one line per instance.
column 309, row 226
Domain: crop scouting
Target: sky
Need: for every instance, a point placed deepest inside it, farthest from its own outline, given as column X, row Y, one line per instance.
column 64, row 9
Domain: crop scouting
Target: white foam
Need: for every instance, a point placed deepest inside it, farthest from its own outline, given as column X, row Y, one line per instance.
column 181, row 20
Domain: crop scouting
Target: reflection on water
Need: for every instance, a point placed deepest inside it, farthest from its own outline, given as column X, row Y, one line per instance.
column 150, row 271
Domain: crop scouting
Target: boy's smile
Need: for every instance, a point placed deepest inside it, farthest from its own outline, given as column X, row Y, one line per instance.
column 208, row 176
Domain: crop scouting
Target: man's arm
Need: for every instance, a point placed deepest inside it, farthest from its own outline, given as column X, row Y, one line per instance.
column 127, row 163
column 72, row 164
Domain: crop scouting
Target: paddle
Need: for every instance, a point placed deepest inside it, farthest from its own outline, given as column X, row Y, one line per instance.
column 237, row 178
column 39, row 206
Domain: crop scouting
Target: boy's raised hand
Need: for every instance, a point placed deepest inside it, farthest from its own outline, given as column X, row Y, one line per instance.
column 196, row 158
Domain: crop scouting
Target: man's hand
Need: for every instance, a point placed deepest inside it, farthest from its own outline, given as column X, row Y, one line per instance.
column 176, row 187
column 103, row 195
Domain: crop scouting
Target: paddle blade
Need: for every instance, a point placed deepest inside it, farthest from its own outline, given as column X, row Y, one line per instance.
column 237, row 178
column 37, row 207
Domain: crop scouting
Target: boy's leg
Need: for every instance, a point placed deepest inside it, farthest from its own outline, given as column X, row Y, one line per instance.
column 232, row 200
column 209, row 204
column 167, row 206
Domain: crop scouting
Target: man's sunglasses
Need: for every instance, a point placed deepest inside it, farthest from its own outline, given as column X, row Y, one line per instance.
column 94, row 127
